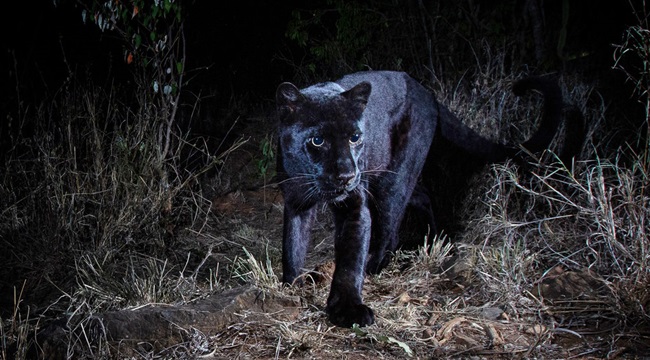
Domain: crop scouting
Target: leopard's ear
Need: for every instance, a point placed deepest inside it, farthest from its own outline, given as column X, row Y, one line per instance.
column 288, row 97
column 359, row 93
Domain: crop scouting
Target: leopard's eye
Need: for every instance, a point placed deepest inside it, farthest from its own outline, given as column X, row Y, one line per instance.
column 317, row 141
column 355, row 139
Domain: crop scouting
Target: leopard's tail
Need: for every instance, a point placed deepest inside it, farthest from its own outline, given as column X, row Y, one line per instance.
column 452, row 129
column 553, row 105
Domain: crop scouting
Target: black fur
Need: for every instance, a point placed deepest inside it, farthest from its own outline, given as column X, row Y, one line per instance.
column 359, row 144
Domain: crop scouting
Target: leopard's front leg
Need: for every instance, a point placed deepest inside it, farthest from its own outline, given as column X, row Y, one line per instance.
column 353, row 227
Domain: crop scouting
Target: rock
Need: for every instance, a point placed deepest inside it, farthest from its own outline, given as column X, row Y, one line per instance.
column 153, row 328
column 491, row 313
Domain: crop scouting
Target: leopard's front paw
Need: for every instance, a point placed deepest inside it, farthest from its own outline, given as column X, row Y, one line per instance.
column 346, row 315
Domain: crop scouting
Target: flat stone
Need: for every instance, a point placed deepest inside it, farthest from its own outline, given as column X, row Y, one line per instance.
column 154, row 328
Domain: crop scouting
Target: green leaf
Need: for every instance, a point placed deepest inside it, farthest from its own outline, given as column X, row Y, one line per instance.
column 124, row 15
column 392, row 340
column 152, row 36
column 358, row 331
column 179, row 67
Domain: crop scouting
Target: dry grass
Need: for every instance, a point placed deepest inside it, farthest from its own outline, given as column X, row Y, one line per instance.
column 553, row 261
column 90, row 213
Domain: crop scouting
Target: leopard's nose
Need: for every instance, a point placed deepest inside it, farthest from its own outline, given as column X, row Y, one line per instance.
column 346, row 179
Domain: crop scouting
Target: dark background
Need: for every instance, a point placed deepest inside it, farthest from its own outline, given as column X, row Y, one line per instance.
column 230, row 45
column 233, row 46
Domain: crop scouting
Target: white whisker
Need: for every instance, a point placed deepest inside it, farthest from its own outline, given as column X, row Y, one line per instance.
column 377, row 172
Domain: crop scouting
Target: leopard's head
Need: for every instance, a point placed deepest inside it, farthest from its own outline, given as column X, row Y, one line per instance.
column 321, row 138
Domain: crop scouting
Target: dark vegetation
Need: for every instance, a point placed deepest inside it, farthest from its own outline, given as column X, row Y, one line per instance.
column 136, row 167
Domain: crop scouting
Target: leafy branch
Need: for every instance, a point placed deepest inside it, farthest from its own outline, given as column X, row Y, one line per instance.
column 154, row 42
